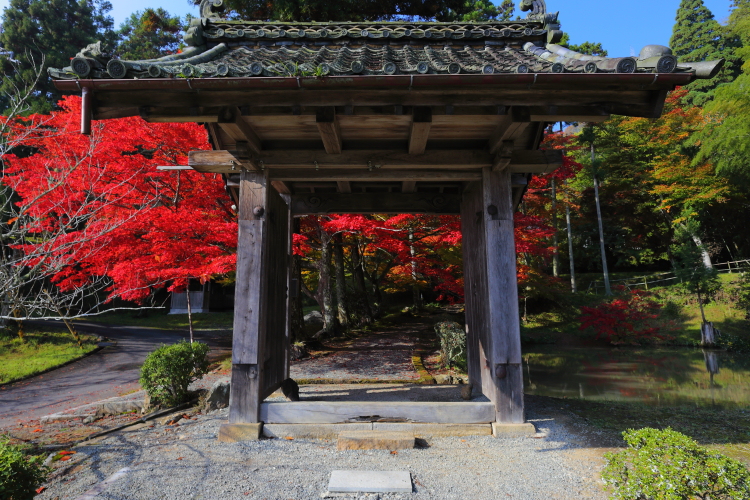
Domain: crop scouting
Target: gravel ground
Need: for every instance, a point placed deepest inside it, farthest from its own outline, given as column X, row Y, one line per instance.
column 185, row 461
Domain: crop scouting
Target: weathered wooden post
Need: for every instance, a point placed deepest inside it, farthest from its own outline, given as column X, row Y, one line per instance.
column 260, row 346
column 492, row 322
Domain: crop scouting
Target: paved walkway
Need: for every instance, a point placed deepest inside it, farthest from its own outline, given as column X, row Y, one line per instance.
column 110, row 372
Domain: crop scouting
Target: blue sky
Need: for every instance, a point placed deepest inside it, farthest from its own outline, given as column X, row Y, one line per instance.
column 622, row 27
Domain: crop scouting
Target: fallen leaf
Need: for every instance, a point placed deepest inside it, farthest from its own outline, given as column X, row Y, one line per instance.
column 63, row 459
column 68, row 453
column 289, row 438
column 179, row 458
column 394, row 453
column 40, row 489
column 37, row 430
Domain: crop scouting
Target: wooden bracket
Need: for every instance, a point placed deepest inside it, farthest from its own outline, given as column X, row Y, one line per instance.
column 328, row 126
column 420, row 130
column 232, row 123
column 511, row 127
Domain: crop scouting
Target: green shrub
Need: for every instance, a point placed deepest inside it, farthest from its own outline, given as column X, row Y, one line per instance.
column 169, row 370
column 20, row 475
column 452, row 344
column 667, row 465
column 743, row 292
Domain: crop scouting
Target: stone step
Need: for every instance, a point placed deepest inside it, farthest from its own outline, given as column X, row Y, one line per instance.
column 376, row 440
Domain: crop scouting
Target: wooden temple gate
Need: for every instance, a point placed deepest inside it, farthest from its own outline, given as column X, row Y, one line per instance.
column 315, row 118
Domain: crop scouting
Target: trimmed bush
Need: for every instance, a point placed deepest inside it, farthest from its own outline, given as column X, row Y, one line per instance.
column 169, row 370
column 20, row 475
column 667, row 465
column 452, row 344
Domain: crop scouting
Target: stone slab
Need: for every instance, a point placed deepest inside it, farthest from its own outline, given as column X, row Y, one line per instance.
column 375, row 440
column 500, row 430
column 336, row 412
column 359, row 481
column 312, row 431
column 435, row 430
column 235, row 433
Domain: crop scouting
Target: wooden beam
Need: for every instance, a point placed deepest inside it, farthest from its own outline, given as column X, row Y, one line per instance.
column 379, row 175
column 328, row 126
column 536, row 162
column 409, row 187
column 511, row 127
column 375, row 203
column 504, row 156
column 222, row 162
column 372, row 164
column 231, row 122
column 281, row 187
column 344, row 186
column 421, row 123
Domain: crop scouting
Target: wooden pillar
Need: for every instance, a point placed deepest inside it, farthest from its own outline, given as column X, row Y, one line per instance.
column 260, row 347
column 490, row 284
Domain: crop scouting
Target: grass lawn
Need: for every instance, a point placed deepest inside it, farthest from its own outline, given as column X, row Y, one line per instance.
column 560, row 324
column 725, row 430
column 162, row 320
column 38, row 352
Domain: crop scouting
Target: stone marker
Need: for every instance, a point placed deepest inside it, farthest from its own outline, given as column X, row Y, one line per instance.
column 236, row 433
column 353, row 481
column 500, row 430
column 375, row 440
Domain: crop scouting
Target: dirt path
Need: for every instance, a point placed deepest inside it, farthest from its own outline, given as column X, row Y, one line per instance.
column 385, row 356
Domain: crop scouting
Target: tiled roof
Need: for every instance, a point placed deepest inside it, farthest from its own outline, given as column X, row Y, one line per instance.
column 224, row 48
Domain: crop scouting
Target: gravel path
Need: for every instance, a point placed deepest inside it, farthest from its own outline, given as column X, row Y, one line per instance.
column 187, row 462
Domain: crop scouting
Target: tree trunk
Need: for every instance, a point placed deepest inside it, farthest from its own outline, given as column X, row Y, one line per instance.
column 297, row 317
column 359, row 284
column 190, row 311
column 706, row 257
column 416, row 292
column 607, row 289
column 555, row 242
column 341, row 298
column 570, row 252
column 324, row 284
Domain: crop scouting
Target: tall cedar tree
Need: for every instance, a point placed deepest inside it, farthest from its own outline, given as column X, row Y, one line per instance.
column 50, row 31
column 697, row 36
column 724, row 141
column 149, row 34
column 369, row 10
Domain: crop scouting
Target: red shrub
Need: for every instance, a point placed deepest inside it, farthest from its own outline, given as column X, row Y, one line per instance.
column 629, row 319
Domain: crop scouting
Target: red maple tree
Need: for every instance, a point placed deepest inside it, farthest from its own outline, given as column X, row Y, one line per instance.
column 96, row 206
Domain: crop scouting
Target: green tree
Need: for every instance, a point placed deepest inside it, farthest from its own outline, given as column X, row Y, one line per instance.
column 697, row 36
column 485, row 10
column 590, row 48
column 725, row 141
column 698, row 278
column 149, row 34
column 47, row 32
column 368, row 10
